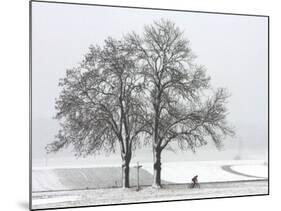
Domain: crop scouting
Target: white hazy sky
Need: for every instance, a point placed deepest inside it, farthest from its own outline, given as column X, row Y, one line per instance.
column 233, row 49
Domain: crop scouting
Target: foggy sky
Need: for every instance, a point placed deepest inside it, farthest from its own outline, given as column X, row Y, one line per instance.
column 232, row 48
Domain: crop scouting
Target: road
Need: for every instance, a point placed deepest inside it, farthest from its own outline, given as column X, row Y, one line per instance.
column 74, row 198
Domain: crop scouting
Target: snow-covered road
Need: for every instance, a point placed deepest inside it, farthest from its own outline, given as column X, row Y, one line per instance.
column 169, row 192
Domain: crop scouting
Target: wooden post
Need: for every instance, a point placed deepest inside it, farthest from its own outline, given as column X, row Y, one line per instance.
column 138, row 182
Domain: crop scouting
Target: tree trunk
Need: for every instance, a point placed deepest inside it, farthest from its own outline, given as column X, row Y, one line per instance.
column 156, row 148
column 125, row 174
column 156, row 168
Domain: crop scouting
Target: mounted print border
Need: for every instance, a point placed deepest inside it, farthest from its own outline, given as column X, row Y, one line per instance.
column 132, row 105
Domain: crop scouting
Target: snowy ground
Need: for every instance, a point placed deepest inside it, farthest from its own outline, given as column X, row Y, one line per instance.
column 211, row 171
column 257, row 170
column 58, row 187
column 146, row 194
column 94, row 177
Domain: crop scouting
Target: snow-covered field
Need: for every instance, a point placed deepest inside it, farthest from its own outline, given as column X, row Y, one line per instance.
column 257, row 170
column 95, row 177
column 211, row 171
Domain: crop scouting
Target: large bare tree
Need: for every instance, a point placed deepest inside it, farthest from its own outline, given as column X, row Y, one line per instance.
column 181, row 105
column 99, row 106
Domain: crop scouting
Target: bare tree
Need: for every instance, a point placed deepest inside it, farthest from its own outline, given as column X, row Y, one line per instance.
column 177, row 90
column 99, row 106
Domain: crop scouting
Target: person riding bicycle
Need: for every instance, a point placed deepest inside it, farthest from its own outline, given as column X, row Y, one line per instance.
column 195, row 182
